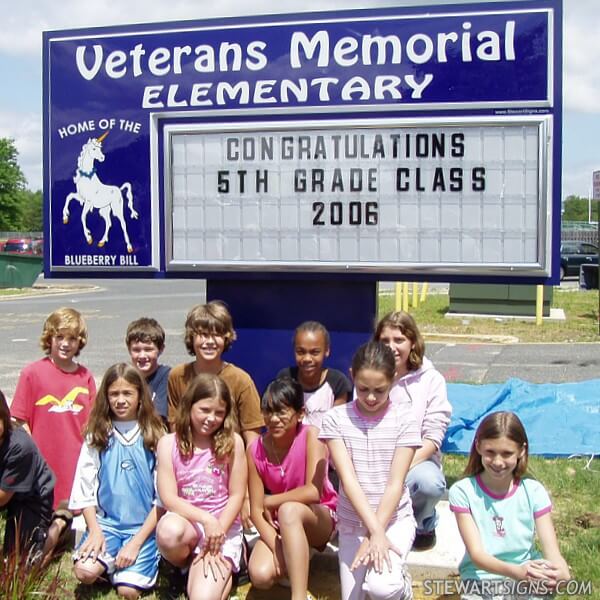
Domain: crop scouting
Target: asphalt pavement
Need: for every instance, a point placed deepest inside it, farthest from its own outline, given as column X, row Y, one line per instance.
column 109, row 305
column 536, row 363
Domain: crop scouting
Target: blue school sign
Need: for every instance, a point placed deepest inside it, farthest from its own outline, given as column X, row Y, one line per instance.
column 294, row 160
column 378, row 142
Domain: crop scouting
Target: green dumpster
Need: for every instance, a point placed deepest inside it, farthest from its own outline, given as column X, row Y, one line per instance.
column 19, row 270
column 497, row 299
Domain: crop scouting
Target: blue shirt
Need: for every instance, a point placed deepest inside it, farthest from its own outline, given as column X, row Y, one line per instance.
column 506, row 523
column 118, row 481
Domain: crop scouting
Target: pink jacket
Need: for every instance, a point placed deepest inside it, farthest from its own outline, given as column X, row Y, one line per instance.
column 424, row 391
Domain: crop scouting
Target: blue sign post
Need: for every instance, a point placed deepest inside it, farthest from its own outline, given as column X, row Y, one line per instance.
column 300, row 158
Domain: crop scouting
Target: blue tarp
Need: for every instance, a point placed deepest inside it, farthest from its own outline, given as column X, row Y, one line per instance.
column 560, row 419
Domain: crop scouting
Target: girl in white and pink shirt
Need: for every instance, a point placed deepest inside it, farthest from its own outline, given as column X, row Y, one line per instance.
column 421, row 392
column 372, row 444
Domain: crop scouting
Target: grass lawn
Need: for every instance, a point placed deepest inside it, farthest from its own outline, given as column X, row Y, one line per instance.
column 575, row 493
column 581, row 324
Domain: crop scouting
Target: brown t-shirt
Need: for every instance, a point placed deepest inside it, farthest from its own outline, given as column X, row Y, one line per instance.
column 241, row 387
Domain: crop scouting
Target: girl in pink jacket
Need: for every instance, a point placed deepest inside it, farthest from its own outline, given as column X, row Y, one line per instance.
column 420, row 388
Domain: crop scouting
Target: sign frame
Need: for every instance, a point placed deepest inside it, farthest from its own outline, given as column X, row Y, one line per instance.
column 541, row 268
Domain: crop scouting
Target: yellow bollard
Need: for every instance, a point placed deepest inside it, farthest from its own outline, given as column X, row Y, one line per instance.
column 539, row 304
column 397, row 296
column 415, row 294
column 424, row 290
column 405, row 296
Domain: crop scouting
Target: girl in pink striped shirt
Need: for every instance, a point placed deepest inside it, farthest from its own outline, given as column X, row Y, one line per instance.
column 372, row 443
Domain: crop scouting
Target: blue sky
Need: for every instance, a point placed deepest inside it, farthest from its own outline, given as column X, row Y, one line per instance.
column 21, row 57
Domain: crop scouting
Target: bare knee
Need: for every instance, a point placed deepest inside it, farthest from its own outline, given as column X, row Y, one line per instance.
column 290, row 513
column 261, row 576
column 128, row 592
column 84, row 574
column 170, row 532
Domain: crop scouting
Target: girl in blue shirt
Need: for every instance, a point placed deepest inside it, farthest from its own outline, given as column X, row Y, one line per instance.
column 499, row 513
column 114, row 485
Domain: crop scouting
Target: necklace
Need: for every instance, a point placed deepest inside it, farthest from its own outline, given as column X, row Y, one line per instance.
column 281, row 467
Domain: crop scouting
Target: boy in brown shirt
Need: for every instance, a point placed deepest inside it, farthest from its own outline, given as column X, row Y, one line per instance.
column 208, row 334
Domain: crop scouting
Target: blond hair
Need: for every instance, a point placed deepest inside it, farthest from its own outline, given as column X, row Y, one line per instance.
column 64, row 319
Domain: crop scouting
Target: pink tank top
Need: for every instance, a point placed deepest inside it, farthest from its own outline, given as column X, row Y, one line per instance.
column 202, row 480
column 291, row 473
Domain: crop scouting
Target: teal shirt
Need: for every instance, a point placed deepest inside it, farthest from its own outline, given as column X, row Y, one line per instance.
column 506, row 524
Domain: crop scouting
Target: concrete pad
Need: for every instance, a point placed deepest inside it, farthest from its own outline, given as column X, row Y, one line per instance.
column 556, row 314
column 443, row 559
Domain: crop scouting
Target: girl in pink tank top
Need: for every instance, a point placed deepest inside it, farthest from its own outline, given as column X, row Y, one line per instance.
column 292, row 501
column 201, row 479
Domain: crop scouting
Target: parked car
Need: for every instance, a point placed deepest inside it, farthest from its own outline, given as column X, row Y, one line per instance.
column 575, row 254
column 19, row 246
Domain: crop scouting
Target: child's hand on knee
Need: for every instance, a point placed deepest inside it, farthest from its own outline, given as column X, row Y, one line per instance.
column 94, row 545
column 215, row 565
column 127, row 555
column 214, row 534
column 379, row 550
column 278, row 558
column 362, row 556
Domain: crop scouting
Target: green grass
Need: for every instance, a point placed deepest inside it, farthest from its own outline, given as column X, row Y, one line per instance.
column 581, row 324
column 14, row 291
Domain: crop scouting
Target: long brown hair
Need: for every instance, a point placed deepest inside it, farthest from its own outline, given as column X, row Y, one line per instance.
column 99, row 425
column 408, row 326
column 496, row 425
column 203, row 386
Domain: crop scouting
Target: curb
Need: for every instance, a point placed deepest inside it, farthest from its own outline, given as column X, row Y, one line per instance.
column 46, row 291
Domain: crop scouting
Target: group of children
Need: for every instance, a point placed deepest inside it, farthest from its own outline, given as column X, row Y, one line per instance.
column 178, row 463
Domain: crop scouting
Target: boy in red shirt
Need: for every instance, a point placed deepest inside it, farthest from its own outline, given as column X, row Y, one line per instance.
column 53, row 399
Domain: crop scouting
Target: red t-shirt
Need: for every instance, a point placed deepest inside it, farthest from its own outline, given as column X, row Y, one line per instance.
column 55, row 405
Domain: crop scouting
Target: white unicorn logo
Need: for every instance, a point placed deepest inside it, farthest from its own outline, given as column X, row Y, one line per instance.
column 92, row 193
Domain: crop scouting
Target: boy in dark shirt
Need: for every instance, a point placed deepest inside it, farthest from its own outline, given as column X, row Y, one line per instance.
column 26, row 487
column 145, row 340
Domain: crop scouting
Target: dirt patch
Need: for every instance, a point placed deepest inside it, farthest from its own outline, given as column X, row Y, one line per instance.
column 588, row 520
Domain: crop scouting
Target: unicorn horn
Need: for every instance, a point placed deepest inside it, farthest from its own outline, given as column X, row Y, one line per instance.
column 101, row 138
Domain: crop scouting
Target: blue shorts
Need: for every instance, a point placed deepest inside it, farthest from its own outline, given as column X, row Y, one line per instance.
column 142, row 573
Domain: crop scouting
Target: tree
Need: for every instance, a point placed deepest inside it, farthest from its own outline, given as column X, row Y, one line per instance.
column 32, row 211
column 12, row 183
column 576, row 209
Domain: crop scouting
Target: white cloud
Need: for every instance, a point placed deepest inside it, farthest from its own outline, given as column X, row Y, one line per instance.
column 26, row 131
column 577, row 180
column 20, row 33
column 581, row 54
